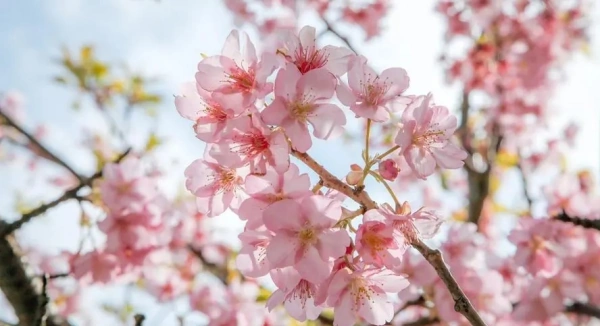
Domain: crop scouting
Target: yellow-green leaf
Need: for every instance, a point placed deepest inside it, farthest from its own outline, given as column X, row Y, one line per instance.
column 153, row 142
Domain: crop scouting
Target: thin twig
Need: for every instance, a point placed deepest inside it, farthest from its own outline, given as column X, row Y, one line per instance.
column 43, row 303
column 212, row 268
column 521, row 169
column 580, row 221
column 10, row 122
column 343, row 38
column 69, row 194
column 462, row 304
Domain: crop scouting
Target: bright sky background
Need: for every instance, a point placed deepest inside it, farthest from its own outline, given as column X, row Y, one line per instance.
column 165, row 39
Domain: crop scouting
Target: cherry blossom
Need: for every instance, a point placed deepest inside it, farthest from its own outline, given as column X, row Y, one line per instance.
column 371, row 95
column 302, row 99
column 237, row 74
column 424, row 138
column 305, row 239
column 302, row 52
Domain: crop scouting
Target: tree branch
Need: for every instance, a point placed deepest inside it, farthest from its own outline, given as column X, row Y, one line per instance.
column 423, row 321
column 462, row 304
column 18, row 287
column 48, row 154
column 69, row 194
column 343, row 38
column 214, row 269
column 580, row 221
column 584, row 309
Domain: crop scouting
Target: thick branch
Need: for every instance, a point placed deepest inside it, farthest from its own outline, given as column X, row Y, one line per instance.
column 18, row 287
column 343, row 38
column 462, row 304
column 580, row 221
column 47, row 153
column 69, row 194
column 584, row 309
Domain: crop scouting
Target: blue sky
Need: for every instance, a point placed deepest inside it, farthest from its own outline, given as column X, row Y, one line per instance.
column 165, row 39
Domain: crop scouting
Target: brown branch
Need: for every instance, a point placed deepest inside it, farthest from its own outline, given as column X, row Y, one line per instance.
column 521, row 169
column 584, row 309
column 423, row 321
column 19, row 288
column 214, row 269
column 47, row 153
column 579, row 221
column 69, row 194
column 139, row 319
column 343, row 38
column 462, row 304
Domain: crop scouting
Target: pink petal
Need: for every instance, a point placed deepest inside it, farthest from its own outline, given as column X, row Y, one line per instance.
column 275, row 219
column 311, row 267
column 281, row 251
column 450, row 156
column 332, row 244
column 338, row 59
column 376, row 310
column 276, row 112
column 321, row 211
column 345, row 95
column 317, row 84
column 209, row 77
column 327, row 121
column 307, row 37
column 299, row 135
column 420, row 161
column 398, row 82
column 286, row 81
column 188, row 104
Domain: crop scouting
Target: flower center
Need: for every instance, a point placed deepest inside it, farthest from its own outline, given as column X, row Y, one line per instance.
column 307, row 236
column 241, row 80
column 250, row 145
column 300, row 110
column 537, row 243
column 309, row 58
column 215, row 112
column 361, row 291
column 302, row 291
column 227, row 179
column 431, row 136
column 374, row 241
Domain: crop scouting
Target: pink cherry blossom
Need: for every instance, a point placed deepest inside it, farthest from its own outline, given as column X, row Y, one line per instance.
column 376, row 244
column 371, row 95
column 361, row 294
column 269, row 188
column 305, row 238
column 210, row 114
column 302, row 99
column 125, row 184
column 296, row 294
column 216, row 186
column 237, row 75
column 422, row 224
column 252, row 142
column 252, row 259
column 536, row 253
column 302, row 51
column 94, row 267
column 424, row 138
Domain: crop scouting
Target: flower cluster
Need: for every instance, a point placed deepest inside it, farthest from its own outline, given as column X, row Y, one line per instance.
column 274, row 16
column 297, row 236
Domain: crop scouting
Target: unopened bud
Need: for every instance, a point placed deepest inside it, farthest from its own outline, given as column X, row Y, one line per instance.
column 355, row 175
column 388, row 169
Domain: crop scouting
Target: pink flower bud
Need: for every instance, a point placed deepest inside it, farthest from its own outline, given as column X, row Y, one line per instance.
column 355, row 175
column 388, row 169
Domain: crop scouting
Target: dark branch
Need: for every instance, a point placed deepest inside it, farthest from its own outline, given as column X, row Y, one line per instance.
column 423, row 321
column 139, row 319
column 580, row 221
column 584, row 309
column 343, row 38
column 214, row 269
column 69, row 194
column 47, row 153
